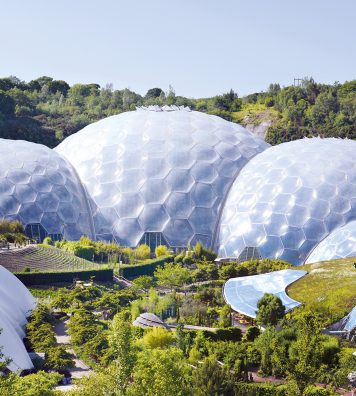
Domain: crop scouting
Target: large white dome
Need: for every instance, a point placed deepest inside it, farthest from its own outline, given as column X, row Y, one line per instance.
column 40, row 188
column 289, row 198
column 159, row 175
column 16, row 303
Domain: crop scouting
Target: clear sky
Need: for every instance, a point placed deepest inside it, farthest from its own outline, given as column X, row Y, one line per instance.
column 200, row 47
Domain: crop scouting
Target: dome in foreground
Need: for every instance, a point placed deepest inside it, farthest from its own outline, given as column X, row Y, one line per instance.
column 16, row 303
column 40, row 188
column 289, row 198
column 159, row 176
column 339, row 244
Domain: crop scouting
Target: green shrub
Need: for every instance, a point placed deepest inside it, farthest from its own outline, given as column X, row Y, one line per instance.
column 148, row 268
column 143, row 252
column 161, row 250
column 48, row 241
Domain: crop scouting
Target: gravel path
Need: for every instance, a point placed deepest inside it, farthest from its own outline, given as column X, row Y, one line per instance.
column 81, row 369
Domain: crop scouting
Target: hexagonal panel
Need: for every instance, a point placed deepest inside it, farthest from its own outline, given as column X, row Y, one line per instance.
column 297, row 191
column 162, row 157
column 153, row 218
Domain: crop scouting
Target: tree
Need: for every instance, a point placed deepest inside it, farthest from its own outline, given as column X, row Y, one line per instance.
column 172, row 275
column 270, row 310
column 306, row 352
column 57, row 358
column 161, row 372
column 120, row 343
column 153, row 93
column 225, row 316
column 252, row 332
column 212, row 379
column 264, row 344
column 158, row 338
column 143, row 282
column 41, row 383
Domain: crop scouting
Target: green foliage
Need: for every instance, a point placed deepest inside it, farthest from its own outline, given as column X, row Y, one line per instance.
column 328, row 290
column 211, row 379
column 251, row 267
column 143, row 282
column 41, row 335
column 225, row 316
column 120, row 343
column 48, row 241
column 146, row 268
column 270, row 310
column 41, row 383
column 158, row 338
column 83, row 251
column 46, row 110
column 160, row 372
column 172, row 275
column 161, row 250
column 143, row 252
column 252, row 332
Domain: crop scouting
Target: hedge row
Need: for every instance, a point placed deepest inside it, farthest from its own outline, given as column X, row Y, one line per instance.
column 135, row 270
column 48, row 278
column 255, row 389
column 227, row 334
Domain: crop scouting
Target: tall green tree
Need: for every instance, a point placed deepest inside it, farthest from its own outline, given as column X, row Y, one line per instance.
column 270, row 310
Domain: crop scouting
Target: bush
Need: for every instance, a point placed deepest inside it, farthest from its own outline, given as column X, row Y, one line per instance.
column 252, row 332
column 133, row 271
column 48, row 241
column 161, row 250
column 143, row 252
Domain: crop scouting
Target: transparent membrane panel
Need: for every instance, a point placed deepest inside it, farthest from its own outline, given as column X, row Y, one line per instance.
column 163, row 171
column 40, row 188
column 289, row 198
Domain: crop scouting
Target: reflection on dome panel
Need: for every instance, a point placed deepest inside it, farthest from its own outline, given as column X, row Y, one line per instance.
column 299, row 206
column 45, row 191
column 340, row 243
column 163, row 170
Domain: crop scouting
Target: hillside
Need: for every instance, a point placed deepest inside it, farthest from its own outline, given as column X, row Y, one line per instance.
column 46, row 111
column 38, row 258
column 329, row 287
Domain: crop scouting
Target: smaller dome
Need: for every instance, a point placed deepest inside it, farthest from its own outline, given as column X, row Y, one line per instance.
column 289, row 198
column 339, row 244
column 41, row 189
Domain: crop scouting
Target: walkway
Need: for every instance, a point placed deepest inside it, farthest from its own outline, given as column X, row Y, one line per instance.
column 81, row 369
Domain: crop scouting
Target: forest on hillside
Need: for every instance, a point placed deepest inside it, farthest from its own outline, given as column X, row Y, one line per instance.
column 46, row 111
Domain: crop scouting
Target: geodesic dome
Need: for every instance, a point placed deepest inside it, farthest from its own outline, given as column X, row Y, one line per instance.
column 40, row 188
column 159, row 175
column 16, row 303
column 339, row 244
column 289, row 198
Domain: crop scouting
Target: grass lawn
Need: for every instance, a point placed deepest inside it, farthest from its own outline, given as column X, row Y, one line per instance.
column 329, row 288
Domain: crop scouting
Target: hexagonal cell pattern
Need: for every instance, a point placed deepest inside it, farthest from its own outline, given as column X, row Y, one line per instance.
column 289, row 198
column 339, row 244
column 38, row 186
column 165, row 170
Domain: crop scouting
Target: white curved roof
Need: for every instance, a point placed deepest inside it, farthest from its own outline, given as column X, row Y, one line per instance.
column 339, row 244
column 38, row 186
column 159, row 170
column 243, row 293
column 289, row 198
column 16, row 303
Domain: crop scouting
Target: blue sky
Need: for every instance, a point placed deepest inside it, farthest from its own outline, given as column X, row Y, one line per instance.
column 200, row 47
